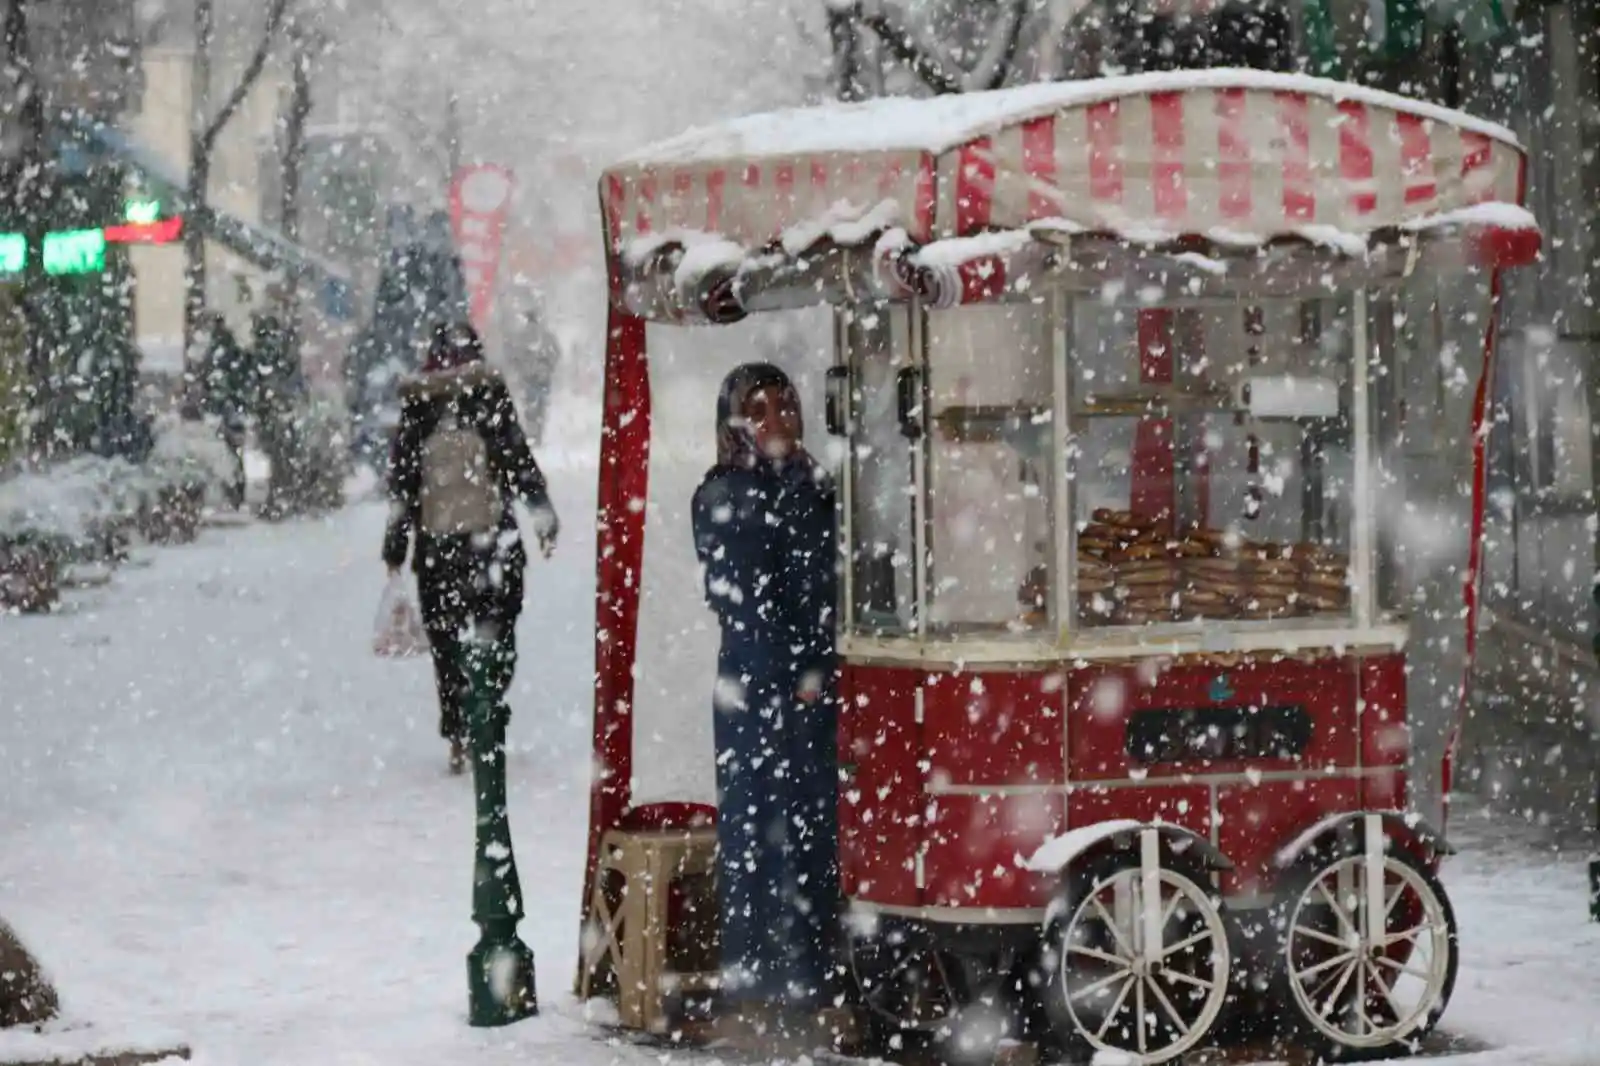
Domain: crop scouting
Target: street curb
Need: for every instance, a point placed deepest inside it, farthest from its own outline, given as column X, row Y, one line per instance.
column 106, row 1058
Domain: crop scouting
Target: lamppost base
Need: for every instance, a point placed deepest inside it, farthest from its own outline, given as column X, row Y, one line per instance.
column 500, row 981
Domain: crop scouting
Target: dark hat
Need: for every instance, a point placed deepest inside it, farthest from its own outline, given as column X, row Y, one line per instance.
column 455, row 344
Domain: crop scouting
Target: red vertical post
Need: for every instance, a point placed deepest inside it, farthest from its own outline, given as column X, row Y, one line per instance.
column 1167, row 338
column 1153, row 493
column 619, row 563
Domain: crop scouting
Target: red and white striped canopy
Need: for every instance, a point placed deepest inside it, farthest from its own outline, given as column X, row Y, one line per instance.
column 1230, row 154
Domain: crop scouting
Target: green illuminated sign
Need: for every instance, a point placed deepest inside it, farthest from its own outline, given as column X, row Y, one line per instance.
column 141, row 212
column 79, row 251
column 13, row 253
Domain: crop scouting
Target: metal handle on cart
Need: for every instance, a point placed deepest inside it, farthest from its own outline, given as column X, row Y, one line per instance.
column 908, row 390
column 1594, row 858
column 837, row 397
column 1594, row 591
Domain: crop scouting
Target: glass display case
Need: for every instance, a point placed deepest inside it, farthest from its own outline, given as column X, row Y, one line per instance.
column 1213, row 469
column 1196, row 464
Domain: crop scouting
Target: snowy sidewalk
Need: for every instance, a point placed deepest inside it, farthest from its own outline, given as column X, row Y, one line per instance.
column 222, row 818
column 1530, row 959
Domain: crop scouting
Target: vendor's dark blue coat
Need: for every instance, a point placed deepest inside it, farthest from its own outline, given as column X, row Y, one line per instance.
column 765, row 536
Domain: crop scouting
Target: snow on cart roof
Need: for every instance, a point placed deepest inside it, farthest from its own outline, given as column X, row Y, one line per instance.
column 936, row 124
column 1245, row 153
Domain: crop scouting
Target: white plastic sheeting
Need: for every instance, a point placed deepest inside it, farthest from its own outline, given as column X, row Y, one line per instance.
column 675, row 672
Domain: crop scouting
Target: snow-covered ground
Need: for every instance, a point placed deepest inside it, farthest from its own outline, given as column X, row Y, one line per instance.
column 221, row 818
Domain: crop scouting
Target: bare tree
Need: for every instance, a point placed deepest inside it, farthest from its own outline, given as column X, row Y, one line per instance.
column 204, row 130
column 306, row 45
column 961, row 46
column 983, row 61
column 32, row 172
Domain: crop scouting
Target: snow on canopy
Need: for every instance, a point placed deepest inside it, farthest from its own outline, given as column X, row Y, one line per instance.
column 1177, row 153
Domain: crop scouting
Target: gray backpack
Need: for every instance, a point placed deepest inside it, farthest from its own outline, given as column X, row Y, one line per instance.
column 459, row 493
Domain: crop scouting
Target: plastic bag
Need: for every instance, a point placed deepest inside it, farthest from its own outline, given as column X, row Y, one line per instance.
column 398, row 633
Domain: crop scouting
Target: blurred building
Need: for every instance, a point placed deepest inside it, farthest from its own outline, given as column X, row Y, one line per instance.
column 1536, row 731
column 119, row 107
column 56, row 197
column 162, row 126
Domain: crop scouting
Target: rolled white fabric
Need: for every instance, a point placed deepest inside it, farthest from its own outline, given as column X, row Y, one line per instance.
column 1290, row 396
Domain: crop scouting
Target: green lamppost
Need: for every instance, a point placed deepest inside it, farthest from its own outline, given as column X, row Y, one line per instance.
column 500, row 984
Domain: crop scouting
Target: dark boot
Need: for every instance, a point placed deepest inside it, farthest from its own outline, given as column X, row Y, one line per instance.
column 839, row 1029
column 796, row 1030
column 750, row 1027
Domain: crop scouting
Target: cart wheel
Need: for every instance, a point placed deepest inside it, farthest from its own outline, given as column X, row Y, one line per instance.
column 908, row 987
column 1106, row 991
column 1364, row 992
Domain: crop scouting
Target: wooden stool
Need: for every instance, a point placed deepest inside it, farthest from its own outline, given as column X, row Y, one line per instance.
column 627, row 944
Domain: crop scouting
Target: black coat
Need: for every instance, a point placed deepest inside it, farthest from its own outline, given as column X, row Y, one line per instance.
column 767, row 544
column 480, row 398
column 765, row 538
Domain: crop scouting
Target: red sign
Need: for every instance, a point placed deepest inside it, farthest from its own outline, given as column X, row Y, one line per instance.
column 480, row 199
column 164, row 232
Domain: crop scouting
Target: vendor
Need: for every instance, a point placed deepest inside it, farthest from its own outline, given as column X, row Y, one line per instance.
column 764, row 531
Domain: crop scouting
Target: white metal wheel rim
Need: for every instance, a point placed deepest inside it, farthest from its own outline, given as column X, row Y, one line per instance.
column 940, row 980
column 1434, row 923
column 1215, row 932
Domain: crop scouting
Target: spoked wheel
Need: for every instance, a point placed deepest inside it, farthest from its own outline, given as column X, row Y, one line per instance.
column 1368, row 974
column 906, row 985
column 1110, row 988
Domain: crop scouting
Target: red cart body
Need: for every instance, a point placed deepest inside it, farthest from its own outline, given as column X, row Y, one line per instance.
column 974, row 769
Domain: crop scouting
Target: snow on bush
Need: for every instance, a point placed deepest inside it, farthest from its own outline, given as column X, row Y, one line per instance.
column 77, row 501
column 188, row 455
column 68, row 501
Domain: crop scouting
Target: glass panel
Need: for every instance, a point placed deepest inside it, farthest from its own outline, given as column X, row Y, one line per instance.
column 1556, row 506
column 1403, row 376
column 1500, row 563
column 990, row 389
column 1213, row 469
column 881, row 490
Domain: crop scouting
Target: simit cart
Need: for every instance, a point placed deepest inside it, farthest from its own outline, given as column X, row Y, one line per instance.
column 1120, row 370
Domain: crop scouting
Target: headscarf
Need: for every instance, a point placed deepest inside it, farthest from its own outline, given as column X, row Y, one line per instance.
column 736, row 445
column 455, row 344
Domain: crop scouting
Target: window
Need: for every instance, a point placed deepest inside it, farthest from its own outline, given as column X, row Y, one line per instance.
column 990, row 483
column 1211, row 460
column 881, row 488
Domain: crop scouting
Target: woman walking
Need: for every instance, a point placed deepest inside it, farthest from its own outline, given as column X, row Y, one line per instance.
column 764, row 533
column 458, row 463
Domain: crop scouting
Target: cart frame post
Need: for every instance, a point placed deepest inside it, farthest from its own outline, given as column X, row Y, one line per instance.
column 1150, row 896
column 1372, row 853
column 1362, row 540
